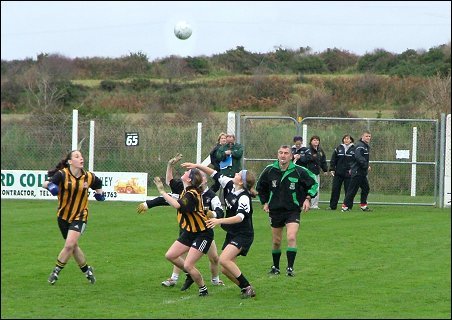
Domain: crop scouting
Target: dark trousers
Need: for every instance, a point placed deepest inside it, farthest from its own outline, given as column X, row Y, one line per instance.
column 356, row 183
column 336, row 189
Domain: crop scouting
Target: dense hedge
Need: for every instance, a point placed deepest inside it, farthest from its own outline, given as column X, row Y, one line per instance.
column 328, row 83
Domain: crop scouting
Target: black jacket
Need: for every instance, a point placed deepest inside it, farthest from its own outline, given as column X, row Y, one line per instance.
column 305, row 155
column 360, row 166
column 342, row 159
column 318, row 161
column 213, row 159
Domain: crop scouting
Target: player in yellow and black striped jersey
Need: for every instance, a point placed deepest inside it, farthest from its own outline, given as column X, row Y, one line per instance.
column 195, row 238
column 70, row 182
column 211, row 203
column 238, row 222
column 190, row 215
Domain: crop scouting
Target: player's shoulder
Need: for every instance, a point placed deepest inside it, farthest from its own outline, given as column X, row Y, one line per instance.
column 209, row 194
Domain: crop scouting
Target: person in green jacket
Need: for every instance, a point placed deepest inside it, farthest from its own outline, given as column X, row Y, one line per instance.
column 230, row 156
column 284, row 190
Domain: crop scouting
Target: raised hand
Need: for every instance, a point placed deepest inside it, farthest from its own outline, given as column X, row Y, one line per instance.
column 159, row 184
column 175, row 159
column 188, row 165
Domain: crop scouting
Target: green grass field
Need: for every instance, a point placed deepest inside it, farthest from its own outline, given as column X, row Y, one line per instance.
column 393, row 263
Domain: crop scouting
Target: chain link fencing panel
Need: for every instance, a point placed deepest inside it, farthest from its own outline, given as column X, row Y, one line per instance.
column 40, row 142
column 392, row 180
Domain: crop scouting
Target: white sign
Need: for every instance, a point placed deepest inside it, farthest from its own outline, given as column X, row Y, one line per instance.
column 118, row 186
column 402, row 154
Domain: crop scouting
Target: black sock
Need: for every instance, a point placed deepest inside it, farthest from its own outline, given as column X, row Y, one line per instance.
column 276, row 254
column 243, row 282
column 84, row 267
column 291, row 254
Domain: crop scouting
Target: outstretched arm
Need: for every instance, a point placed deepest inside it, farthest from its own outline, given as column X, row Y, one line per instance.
column 189, row 165
column 212, row 222
column 169, row 168
column 173, row 202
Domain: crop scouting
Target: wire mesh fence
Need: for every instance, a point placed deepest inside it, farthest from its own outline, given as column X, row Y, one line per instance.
column 406, row 180
column 39, row 142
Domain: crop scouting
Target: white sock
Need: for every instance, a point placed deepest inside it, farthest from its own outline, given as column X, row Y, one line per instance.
column 175, row 276
column 215, row 279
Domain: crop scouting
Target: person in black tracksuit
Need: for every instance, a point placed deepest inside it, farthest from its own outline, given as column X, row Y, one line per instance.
column 284, row 190
column 340, row 168
column 301, row 155
column 360, row 168
column 318, row 161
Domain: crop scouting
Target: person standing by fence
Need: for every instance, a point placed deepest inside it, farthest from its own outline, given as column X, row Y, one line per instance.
column 317, row 162
column 301, row 155
column 221, row 141
column 70, row 182
column 340, row 168
column 230, row 156
column 360, row 169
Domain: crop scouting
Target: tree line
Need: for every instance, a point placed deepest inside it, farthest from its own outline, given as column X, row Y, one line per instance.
column 132, row 83
column 240, row 61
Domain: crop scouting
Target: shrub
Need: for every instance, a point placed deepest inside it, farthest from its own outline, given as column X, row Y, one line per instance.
column 108, row 85
column 140, row 84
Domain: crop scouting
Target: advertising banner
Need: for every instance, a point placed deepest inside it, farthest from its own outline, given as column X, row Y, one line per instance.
column 118, row 186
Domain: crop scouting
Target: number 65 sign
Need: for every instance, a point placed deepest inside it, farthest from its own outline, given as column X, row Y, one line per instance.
column 132, row 139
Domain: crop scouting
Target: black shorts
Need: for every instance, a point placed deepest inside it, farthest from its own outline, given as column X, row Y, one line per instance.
column 239, row 241
column 76, row 225
column 279, row 220
column 201, row 241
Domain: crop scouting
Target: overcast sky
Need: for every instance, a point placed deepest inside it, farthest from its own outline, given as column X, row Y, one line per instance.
column 118, row 28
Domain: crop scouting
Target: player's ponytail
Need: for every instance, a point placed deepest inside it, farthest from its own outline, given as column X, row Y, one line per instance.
column 60, row 165
column 249, row 180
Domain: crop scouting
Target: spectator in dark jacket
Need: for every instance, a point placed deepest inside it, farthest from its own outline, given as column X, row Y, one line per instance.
column 360, row 168
column 318, row 161
column 301, row 155
column 340, row 168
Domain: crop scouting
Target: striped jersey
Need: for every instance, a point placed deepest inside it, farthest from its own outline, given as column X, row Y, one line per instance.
column 191, row 216
column 73, row 193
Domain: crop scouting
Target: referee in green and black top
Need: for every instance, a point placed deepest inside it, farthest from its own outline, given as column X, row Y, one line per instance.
column 284, row 190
